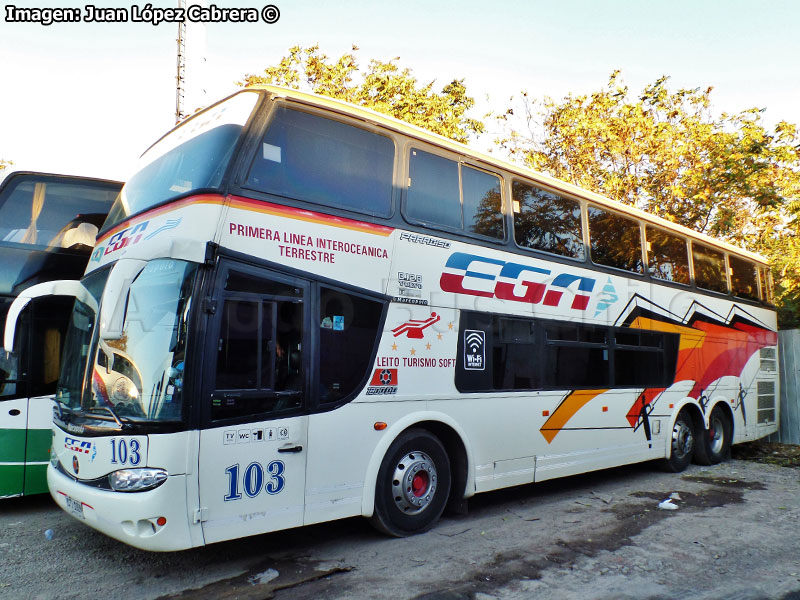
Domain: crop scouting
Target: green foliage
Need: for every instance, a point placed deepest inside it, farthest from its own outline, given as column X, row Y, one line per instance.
column 665, row 152
column 382, row 86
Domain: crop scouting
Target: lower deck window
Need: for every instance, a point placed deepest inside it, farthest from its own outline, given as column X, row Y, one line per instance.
column 348, row 327
column 498, row 352
column 284, row 344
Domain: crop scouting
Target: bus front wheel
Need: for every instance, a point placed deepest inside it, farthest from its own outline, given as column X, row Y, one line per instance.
column 715, row 442
column 682, row 443
column 413, row 484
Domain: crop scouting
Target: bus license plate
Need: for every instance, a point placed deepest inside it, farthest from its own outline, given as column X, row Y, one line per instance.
column 75, row 507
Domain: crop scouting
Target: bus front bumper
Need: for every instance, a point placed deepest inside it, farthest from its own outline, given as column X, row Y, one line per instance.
column 154, row 520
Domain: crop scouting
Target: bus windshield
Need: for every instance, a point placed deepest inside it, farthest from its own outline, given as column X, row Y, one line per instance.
column 48, row 212
column 139, row 377
column 191, row 157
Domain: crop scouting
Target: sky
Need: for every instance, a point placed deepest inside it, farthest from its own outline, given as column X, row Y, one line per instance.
column 88, row 98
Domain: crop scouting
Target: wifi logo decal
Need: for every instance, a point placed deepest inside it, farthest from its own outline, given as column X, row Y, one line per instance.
column 474, row 350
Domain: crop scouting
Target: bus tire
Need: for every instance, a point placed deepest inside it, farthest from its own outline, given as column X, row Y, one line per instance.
column 684, row 438
column 413, row 484
column 715, row 442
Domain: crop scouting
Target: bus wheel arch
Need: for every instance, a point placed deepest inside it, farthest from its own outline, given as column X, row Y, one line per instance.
column 449, row 436
column 413, row 484
column 714, row 442
column 457, row 453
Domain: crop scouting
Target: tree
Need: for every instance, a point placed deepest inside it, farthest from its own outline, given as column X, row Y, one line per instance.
column 382, row 86
column 665, row 152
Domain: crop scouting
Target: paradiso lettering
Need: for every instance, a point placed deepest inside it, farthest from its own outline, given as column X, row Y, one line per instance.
column 479, row 276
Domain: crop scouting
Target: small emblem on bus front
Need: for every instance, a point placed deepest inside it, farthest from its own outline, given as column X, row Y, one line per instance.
column 75, row 466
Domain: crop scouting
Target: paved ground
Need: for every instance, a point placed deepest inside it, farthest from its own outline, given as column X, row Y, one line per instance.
column 596, row 536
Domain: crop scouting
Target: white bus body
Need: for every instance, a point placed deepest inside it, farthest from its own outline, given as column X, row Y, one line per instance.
column 459, row 387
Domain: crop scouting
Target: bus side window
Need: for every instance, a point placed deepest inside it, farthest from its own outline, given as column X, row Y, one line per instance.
column 482, row 203
column 433, row 192
column 348, row 331
column 615, row 240
column 762, row 279
column 743, row 278
column 238, row 361
column 48, row 331
column 445, row 193
column 667, row 256
column 9, row 362
column 765, row 278
column 259, row 348
column 530, row 354
column 709, row 269
column 770, row 287
column 324, row 161
column 546, row 221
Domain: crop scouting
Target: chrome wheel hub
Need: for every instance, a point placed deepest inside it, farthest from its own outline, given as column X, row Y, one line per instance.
column 716, row 434
column 414, row 483
column 682, row 442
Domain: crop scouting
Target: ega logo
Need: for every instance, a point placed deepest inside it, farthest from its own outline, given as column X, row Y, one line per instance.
column 120, row 240
column 479, row 276
column 130, row 236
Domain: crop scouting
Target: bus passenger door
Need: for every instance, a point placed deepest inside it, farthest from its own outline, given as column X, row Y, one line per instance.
column 47, row 330
column 254, row 443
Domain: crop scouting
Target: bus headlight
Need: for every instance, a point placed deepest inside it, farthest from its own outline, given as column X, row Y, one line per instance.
column 136, row 480
column 124, row 391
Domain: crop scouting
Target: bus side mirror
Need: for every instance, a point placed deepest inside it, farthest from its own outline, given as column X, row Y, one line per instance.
column 115, row 297
column 65, row 287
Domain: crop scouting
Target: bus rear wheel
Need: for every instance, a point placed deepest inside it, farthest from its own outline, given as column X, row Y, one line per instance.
column 715, row 442
column 413, row 484
column 682, row 443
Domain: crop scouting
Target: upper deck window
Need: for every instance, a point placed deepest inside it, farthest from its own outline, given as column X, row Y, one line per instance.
column 667, row 256
column 709, row 269
column 320, row 160
column 770, row 287
column 616, row 240
column 765, row 279
column 446, row 193
column 743, row 278
column 547, row 221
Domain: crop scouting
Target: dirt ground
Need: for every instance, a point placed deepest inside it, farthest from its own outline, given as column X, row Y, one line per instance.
column 599, row 536
column 783, row 455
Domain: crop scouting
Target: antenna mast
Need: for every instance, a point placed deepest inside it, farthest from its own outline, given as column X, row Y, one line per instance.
column 180, row 78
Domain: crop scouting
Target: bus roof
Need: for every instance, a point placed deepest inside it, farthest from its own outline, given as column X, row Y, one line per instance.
column 13, row 170
column 414, row 131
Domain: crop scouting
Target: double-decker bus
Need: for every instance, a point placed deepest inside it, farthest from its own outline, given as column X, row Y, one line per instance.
column 324, row 312
column 48, row 225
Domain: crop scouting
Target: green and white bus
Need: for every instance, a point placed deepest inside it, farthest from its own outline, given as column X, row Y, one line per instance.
column 48, row 225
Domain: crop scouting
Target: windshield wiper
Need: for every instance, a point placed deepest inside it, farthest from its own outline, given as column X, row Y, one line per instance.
column 61, row 410
column 127, row 424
